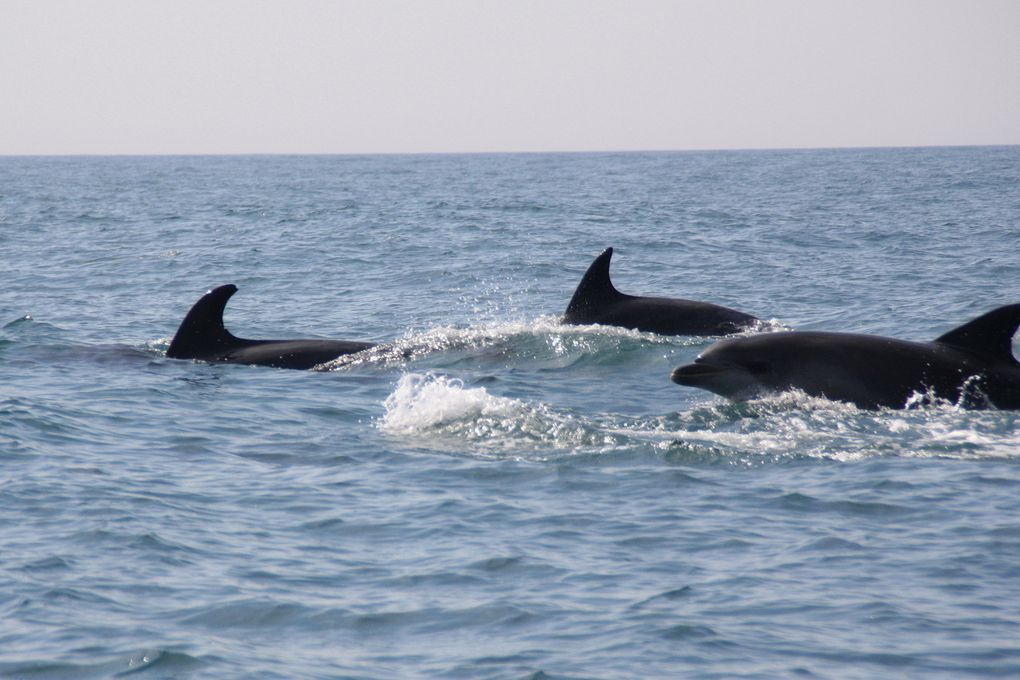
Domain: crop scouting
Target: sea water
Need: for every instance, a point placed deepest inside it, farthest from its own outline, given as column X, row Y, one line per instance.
column 488, row 493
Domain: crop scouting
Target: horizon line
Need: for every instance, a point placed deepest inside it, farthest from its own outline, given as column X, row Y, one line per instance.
column 564, row 152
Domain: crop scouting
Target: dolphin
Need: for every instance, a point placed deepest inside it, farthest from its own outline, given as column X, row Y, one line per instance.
column 203, row 336
column 596, row 301
column 972, row 365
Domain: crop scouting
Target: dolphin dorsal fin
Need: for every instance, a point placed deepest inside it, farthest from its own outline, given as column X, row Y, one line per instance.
column 990, row 335
column 595, row 288
column 202, row 331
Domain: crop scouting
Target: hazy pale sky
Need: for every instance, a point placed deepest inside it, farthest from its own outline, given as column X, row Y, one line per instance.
column 353, row 76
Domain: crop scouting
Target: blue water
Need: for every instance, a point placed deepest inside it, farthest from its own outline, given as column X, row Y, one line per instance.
column 489, row 494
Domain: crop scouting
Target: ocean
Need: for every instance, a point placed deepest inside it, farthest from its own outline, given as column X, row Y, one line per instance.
column 488, row 493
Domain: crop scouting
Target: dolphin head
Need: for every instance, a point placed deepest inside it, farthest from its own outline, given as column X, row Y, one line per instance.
column 732, row 368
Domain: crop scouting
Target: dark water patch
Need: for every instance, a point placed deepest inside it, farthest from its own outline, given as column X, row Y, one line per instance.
column 983, row 480
column 328, row 525
column 688, row 453
column 494, row 564
column 148, row 545
column 76, row 597
column 833, row 544
column 801, row 503
column 684, row 631
column 246, row 614
column 438, row 580
column 152, row 663
column 431, row 621
column 48, row 564
column 670, row 596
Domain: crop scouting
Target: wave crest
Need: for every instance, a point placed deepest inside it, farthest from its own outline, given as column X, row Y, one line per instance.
column 543, row 341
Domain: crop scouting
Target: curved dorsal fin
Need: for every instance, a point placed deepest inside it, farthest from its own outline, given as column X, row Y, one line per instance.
column 990, row 335
column 595, row 288
column 202, row 332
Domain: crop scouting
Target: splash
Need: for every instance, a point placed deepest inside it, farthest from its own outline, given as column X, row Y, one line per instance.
column 423, row 402
column 794, row 425
column 444, row 410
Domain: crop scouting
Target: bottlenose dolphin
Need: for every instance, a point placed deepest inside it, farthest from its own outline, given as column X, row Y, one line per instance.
column 596, row 300
column 972, row 365
column 203, row 336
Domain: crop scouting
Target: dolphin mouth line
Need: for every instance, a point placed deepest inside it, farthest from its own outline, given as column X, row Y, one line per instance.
column 695, row 374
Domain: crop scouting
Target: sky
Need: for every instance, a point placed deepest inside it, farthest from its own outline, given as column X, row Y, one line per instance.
column 448, row 76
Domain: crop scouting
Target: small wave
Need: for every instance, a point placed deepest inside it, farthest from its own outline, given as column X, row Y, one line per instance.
column 19, row 321
column 544, row 340
column 29, row 329
column 163, row 663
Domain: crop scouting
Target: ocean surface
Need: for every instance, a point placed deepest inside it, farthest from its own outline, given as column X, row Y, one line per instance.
column 490, row 494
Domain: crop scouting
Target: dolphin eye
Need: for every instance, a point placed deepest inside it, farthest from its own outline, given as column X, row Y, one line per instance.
column 758, row 367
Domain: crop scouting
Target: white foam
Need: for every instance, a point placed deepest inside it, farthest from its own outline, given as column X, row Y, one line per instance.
column 423, row 402
column 452, row 415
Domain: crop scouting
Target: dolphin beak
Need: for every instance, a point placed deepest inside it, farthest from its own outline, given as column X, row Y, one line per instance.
column 694, row 375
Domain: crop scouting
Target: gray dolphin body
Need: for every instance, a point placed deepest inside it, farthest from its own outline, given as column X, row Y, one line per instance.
column 972, row 365
column 596, row 301
column 203, row 336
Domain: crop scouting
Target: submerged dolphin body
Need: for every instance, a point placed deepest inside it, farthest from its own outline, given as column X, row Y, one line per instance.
column 972, row 365
column 596, row 301
column 203, row 336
